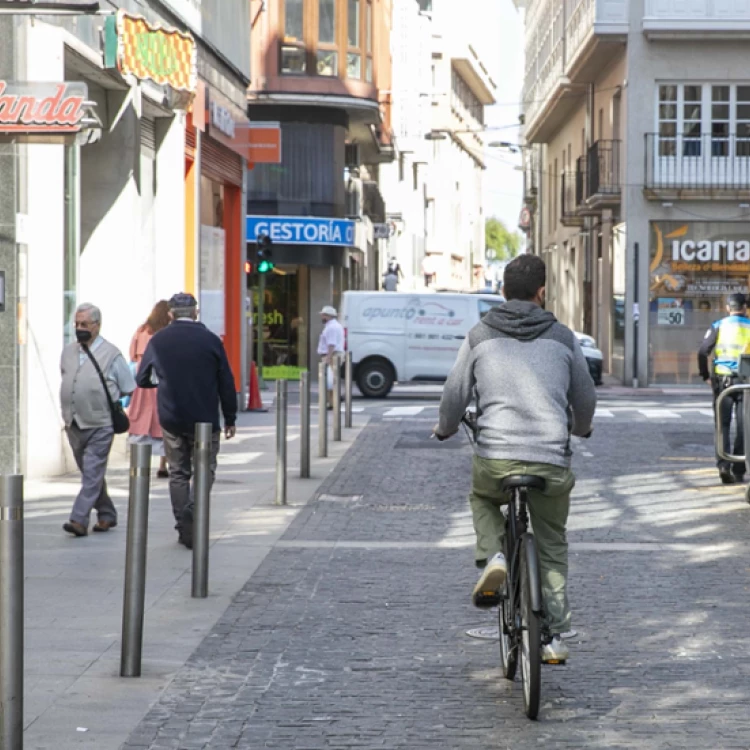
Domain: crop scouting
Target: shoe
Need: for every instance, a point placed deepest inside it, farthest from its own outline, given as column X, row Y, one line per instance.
column 727, row 477
column 163, row 473
column 75, row 528
column 486, row 593
column 186, row 530
column 556, row 651
column 104, row 525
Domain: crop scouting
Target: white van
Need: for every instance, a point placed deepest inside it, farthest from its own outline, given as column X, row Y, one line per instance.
column 402, row 336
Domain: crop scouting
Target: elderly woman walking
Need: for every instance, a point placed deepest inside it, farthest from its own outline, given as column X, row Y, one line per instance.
column 143, row 412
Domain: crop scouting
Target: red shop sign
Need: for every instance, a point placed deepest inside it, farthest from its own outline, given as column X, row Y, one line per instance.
column 42, row 107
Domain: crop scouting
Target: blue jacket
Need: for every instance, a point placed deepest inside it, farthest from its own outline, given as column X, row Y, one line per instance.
column 194, row 377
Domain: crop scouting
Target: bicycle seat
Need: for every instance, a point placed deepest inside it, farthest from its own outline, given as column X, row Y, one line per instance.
column 523, row 480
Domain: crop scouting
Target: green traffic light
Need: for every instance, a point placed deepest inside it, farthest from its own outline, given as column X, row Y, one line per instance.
column 265, row 266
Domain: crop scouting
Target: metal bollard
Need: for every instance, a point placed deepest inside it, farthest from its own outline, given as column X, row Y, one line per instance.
column 201, row 508
column 281, row 402
column 322, row 412
column 304, row 425
column 348, row 391
column 133, row 605
column 11, row 612
column 336, row 398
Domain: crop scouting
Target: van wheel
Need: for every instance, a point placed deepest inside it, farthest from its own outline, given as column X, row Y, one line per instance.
column 375, row 378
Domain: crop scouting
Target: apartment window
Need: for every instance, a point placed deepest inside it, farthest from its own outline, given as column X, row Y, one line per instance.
column 368, row 41
column 293, row 53
column 327, row 38
column 704, row 120
column 327, row 56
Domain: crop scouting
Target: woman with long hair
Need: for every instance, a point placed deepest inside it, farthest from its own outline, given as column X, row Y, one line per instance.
column 143, row 412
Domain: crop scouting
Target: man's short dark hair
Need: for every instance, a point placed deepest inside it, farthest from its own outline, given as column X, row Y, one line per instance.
column 737, row 301
column 524, row 276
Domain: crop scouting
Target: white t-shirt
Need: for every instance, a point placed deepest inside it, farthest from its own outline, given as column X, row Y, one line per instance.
column 332, row 335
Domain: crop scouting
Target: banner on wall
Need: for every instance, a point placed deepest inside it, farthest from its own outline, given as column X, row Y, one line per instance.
column 699, row 259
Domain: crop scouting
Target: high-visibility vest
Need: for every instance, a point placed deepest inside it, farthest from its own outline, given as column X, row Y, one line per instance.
column 732, row 341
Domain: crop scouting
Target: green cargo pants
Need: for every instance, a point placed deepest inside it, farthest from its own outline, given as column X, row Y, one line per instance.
column 549, row 515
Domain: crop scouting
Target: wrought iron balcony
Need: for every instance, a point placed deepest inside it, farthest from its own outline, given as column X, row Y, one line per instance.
column 569, row 189
column 700, row 165
column 604, row 183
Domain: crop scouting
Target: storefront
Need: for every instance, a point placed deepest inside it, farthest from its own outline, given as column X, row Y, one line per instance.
column 217, row 131
column 694, row 267
column 315, row 261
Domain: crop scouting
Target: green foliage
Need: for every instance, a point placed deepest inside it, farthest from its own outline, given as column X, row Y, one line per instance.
column 501, row 244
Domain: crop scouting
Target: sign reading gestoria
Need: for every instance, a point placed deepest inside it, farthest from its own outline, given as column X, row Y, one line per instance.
column 302, row 230
column 165, row 56
column 42, row 108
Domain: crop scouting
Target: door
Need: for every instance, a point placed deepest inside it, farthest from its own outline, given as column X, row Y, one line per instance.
column 435, row 330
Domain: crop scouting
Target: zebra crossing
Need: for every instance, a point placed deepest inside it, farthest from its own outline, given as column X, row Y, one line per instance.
column 609, row 413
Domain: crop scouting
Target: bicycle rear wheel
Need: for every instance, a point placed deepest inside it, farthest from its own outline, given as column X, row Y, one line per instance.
column 508, row 650
column 531, row 635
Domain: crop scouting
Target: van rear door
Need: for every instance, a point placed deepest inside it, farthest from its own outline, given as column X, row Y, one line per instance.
column 434, row 334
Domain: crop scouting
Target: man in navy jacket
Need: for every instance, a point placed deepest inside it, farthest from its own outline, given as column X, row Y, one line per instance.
column 189, row 366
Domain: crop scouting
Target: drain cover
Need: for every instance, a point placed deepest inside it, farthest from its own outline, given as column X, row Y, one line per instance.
column 484, row 634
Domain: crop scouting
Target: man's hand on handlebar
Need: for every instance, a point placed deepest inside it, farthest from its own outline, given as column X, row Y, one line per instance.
column 440, row 437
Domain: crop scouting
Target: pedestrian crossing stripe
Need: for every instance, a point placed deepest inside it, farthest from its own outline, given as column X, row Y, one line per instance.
column 604, row 413
column 659, row 413
column 404, row 411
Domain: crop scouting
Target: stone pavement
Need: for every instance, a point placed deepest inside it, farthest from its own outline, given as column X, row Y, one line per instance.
column 74, row 697
column 352, row 632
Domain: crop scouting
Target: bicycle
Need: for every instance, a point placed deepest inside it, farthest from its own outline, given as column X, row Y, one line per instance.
column 522, row 623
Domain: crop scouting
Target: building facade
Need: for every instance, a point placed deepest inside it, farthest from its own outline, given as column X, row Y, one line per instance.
column 101, row 212
column 637, row 131
column 434, row 191
column 321, row 78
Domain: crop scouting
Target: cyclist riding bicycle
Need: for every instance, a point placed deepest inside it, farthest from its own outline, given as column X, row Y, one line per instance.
column 533, row 390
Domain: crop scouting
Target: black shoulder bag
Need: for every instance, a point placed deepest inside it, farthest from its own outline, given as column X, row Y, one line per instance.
column 120, row 421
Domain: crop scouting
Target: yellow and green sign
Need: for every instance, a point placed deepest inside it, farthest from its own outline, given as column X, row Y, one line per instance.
column 136, row 48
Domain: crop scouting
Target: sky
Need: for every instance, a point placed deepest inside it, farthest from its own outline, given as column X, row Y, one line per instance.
column 503, row 185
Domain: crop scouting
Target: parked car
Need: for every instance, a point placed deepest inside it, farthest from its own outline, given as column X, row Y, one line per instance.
column 593, row 356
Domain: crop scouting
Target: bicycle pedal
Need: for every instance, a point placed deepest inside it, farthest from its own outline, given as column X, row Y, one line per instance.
column 487, row 599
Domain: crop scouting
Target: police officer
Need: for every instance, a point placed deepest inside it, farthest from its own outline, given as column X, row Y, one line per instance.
column 728, row 339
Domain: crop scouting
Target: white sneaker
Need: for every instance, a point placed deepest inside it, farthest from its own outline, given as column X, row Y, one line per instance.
column 486, row 593
column 555, row 651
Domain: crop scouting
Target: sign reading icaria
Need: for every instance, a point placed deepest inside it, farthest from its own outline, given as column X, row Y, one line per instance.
column 42, row 108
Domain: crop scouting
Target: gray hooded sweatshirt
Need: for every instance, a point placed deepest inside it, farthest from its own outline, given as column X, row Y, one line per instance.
column 532, row 385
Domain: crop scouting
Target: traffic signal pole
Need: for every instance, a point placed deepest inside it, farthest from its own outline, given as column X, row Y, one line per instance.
column 260, row 326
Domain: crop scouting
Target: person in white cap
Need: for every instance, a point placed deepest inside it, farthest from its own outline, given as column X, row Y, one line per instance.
column 331, row 342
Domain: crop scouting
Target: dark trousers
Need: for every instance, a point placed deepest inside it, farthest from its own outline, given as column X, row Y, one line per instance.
column 179, row 450
column 731, row 406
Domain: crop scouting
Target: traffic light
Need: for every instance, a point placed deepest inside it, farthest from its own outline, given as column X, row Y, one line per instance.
column 265, row 253
column 248, row 267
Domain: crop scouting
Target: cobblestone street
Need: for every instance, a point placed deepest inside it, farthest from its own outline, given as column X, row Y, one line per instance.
column 352, row 633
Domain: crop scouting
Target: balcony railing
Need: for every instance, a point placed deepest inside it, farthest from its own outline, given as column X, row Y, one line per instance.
column 581, row 181
column 569, row 216
column 700, row 164
column 603, row 164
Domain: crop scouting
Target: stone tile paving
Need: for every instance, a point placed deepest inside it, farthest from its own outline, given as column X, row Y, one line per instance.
column 332, row 645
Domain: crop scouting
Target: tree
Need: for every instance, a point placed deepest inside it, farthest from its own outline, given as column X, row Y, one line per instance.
column 501, row 244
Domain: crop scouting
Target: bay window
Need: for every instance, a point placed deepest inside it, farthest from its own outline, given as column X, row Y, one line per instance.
column 328, row 38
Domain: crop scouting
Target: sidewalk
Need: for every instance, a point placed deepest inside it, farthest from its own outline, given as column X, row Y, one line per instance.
column 74, row 696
